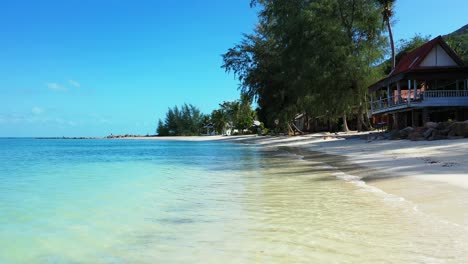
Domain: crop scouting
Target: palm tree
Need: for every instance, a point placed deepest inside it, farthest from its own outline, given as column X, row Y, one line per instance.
column 387, row 14
column 218, row 117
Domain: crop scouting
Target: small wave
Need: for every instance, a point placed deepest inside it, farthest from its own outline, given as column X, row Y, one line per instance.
column 357, row 181
column 393, row 200
column 290, row 155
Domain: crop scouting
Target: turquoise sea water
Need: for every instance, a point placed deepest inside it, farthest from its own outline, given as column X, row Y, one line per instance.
column 127, row 201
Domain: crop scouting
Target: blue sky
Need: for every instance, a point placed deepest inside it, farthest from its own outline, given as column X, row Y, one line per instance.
column 91, row 68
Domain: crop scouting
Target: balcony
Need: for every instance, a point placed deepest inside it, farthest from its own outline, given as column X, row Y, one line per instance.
column 434, row 98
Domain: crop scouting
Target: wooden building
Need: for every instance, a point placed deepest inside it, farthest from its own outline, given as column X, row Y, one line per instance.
column 428, row 84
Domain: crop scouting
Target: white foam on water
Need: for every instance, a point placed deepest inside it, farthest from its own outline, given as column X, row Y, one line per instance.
column 392, row 199
column 357, row 181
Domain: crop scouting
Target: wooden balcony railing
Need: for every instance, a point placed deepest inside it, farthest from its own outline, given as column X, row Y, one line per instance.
column 402, row 102
column 446, row 93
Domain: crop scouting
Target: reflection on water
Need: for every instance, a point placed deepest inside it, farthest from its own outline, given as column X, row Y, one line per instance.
column 209, row 203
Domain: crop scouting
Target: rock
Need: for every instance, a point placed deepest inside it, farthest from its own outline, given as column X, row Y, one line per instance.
column 451, row 134
column 404, row 133
column 430, row 125
column 454, row 137
column 439, row 137
column 436, row 135
column 417, row 134
column 444, row 125
column 394, row 134
column 428, row 133
column 415, row 137
column 444, row 132
column 459, row 129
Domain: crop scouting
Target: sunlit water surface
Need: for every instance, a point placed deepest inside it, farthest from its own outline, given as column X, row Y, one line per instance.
column 105, row 201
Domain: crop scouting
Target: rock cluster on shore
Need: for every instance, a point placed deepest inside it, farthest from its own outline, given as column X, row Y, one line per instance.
column 128, row 136
column 431, row 131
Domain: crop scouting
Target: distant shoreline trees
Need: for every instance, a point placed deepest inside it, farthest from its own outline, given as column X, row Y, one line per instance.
column 187, row 120
column 183, row 121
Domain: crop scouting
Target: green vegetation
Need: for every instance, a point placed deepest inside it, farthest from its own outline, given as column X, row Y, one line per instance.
column 185, row 121
column 458, row 40
column 233, row 115
column 312, row 57
column 189, row 121
column 315, row 58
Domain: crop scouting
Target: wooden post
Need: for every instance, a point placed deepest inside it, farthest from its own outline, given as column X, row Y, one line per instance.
column 409, row 92
column 388, row 95
column 415, row 84
column 399, row 92
column 425, row 115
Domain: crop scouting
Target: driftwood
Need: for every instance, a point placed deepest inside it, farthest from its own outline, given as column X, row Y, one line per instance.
column 294, row 128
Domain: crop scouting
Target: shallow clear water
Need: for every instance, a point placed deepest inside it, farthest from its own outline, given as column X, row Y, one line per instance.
column 117, row 201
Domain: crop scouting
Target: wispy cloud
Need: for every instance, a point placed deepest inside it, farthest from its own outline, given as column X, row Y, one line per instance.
column 99, row 119
column 56, row 87
column 74, row 83
column 33, row 118
column 61, row 87
column 37, row 110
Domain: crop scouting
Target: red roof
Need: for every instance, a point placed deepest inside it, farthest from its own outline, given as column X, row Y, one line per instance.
column 412, row 60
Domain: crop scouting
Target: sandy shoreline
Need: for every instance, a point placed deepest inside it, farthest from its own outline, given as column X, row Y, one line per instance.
column 432, row 175
column 443, row 161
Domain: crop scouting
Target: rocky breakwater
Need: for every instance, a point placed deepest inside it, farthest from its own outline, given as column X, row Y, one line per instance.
column 432, row 131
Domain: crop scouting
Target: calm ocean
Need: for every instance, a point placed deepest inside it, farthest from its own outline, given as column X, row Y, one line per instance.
column 129, row 201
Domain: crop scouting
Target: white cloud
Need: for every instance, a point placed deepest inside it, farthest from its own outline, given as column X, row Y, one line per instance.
column 32, row 118
column 105, row 121
column 99, row 119
column 59, row 87
column 72, row 123
column 37, row 110
column 13, row 118
column 74, row 83
column 56, row 87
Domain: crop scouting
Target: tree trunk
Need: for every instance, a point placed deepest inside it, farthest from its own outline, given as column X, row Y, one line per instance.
column 359, row 119
column 392, row 43
column 395, row 121
column 345, row 123
column 367, row 122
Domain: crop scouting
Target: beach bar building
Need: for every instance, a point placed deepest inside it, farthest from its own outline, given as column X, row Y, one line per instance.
column 428, row 84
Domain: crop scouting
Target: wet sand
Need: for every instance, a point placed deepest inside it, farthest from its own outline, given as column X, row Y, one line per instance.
column 444, row 161
column 431, row 174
